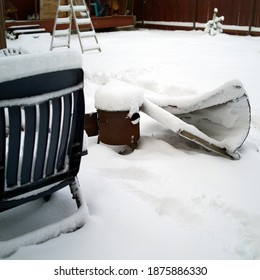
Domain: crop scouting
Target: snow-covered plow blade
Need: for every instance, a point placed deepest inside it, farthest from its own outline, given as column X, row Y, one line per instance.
column 218, row 120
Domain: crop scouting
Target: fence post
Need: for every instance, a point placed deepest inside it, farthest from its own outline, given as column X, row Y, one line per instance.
column 251, row 17
column 143, row 13
column 2, row 26
column 195, row 13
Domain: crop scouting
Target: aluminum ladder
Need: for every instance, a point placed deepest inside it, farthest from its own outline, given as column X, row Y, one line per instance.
column 78, row 12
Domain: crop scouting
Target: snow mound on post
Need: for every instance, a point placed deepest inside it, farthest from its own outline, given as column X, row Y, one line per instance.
column 119, row 96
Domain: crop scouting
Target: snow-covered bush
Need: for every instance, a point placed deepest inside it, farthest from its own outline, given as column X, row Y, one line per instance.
column 214, row 26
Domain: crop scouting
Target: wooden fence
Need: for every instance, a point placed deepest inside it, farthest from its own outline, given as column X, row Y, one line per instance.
column 2, row 30
column 241, row 16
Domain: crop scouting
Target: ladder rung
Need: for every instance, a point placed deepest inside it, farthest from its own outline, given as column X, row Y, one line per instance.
column 92, row 47
column 81, row 21
column 64, row 8
column 84, row 34
column 79, row 8
column 59, row 46
column 65, row 20
column 84, row 14
column 63, row 32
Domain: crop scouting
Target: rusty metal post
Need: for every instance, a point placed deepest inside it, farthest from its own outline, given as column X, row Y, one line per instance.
column 2, row 26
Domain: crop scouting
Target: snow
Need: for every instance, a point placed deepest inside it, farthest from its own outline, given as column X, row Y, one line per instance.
column 188, row 102
column 119, row 96
column 198, row 25
column 214, row 26
column 178, row 126
column 168, row 199
column 20, row 67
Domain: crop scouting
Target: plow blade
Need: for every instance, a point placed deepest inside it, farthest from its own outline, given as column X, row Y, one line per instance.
column 218, row 120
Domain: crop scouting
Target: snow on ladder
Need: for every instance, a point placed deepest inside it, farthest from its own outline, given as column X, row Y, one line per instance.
column 78, row 11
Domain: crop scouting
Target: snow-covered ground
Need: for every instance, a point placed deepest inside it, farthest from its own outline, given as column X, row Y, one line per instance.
column 168, row 199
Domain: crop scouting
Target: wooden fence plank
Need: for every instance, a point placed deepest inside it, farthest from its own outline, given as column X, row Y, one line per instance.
column 2, row 29
column 256, row 14
column 238, row 13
